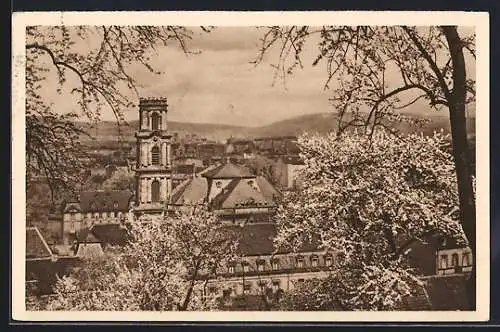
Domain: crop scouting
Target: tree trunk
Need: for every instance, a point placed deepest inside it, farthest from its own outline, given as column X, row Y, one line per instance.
column 460, row 150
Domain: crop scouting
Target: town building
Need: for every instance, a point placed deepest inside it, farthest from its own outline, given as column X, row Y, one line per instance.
column 96, row 207
column 287, row 169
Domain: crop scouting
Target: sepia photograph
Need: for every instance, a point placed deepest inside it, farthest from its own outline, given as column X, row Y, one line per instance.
column 281, row 169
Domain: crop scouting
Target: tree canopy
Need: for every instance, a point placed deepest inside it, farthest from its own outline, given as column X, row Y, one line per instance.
column 165, row 267
column 370, row 201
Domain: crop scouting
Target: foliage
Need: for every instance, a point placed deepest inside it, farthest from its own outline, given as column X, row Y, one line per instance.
column 362, row 60
column 370, row 201
column 165, row 266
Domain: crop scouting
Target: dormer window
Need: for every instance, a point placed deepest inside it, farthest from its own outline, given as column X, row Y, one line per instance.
column 328, row 260
column 444, row 262
column 115, row 204
column 93, row 206
column 454, row 260
column 314, row 261
column 299, row 261
column 275, row 264
column 466, row 259
column 261, row 266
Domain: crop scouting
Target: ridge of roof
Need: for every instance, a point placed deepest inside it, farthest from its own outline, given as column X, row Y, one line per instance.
column 228, row 170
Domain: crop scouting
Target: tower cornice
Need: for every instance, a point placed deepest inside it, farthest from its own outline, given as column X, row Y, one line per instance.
column 148, row 134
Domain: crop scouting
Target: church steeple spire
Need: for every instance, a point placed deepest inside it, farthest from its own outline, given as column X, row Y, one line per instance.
column 153, row 163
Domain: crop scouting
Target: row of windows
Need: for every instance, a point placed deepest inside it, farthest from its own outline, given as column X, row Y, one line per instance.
column 275, row 263
column 96, row 215
column 445, row 263
column 248, row 286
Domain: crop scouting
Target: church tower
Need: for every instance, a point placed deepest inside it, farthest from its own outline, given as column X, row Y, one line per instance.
column 153, row 164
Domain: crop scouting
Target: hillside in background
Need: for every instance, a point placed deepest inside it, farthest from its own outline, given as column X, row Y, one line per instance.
column 320, row 123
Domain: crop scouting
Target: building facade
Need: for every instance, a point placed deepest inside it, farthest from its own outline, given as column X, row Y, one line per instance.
column 153, row 166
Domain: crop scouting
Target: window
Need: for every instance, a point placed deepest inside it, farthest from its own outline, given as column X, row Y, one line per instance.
column 155, row 191
column 328, row 260
column 276, row 264
column 155, row 121
column 212, row 290
column 218, row 184
column 262, row 284
column 314, row 261
column 276, row 284
column 246, row 266
column 454, row 260
column 115, row 204
column 466, row 259
column 72, row 216
column 444, row 262
column 261, row 265
column 92, row 206
column 300, row 262
column 230, row 269
column 247, row 287
column 155, row 155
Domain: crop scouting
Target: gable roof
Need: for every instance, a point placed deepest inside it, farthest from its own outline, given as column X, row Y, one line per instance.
column 228, row 171
column 36, row 246
column 104, row 201
column 194, row 190
column 237, row 194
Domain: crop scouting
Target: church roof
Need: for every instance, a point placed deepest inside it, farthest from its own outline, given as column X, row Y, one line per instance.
column 239, row 193
column 103, row 201
column 228, row 171
column 36, row 246
column 193, row 190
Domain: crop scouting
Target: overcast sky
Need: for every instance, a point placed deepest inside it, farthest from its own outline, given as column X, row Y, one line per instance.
column 220, row 85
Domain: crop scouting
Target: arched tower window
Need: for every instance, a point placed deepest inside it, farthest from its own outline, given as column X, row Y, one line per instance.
column 155, row 155
column 155, row 191
column 155, row 121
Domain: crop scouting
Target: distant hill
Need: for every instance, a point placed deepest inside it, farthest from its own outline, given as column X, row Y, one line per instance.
column 320, row 123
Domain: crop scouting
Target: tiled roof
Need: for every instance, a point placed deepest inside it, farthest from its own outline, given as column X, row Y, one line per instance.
column 111, row 234
column 193, row 190
column 239, row 194
column 228, row 171
column 267, row 189
column 104, row 201
column 257, row 239
column 36, row 246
